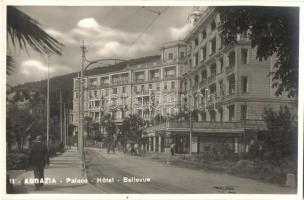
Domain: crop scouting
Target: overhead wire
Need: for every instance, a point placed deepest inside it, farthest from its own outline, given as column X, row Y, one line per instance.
column 147, row 28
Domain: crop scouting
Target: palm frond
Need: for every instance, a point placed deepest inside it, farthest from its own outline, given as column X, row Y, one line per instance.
column 9, row 64
column 24, row 30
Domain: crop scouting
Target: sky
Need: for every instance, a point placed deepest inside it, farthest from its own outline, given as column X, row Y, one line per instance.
column 108, row 32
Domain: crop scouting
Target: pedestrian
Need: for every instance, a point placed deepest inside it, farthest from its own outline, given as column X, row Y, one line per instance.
column 172, row 146
column 38, row 159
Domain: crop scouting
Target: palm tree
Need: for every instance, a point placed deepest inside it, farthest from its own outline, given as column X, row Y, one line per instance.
column 25, row 31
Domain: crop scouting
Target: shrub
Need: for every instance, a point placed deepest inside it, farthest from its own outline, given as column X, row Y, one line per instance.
column 17, row 161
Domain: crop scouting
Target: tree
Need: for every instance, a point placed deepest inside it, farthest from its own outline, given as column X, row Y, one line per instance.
column 273, row 31
column 25, row 31
column 132, row 128
column 19, row 121
column 88, row 126
column 280, row 139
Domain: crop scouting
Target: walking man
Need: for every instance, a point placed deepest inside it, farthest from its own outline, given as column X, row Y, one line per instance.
column 38, row 158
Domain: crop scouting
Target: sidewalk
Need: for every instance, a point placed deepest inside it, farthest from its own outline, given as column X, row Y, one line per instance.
column 64, row 176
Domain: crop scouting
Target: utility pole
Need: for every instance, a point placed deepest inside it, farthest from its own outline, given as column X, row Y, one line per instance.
column 60, row 104
column 190, row 134
column 48, row 103
column 64, row 125
column 81, row 142
column 79, row 113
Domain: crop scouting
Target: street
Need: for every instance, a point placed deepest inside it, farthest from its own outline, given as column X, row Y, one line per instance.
column 165, row 178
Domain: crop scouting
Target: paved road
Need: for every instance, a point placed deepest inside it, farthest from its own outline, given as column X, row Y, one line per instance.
column 166, row 178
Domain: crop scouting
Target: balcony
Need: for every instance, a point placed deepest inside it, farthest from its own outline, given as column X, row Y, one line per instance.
column 139, row 80
column 211, row 78
column 229, row 69
column 203, row 82
column 169, row 77
column 226, row 126
column 104, row 85
column 142, row 92
column 120, row 82
column 154, row 79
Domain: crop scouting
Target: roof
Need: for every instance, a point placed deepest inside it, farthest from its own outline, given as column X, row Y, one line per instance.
column 120, row 66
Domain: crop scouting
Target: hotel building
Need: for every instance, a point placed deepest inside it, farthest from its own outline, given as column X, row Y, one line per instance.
column 225, row 87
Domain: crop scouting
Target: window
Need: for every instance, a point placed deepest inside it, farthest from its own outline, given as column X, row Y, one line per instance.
column 173, row 85
column 213, row 25
column 231, row 59
column 221, row 62
column 244, row 53
column 204, row 34
column 204, row 116
column 204, row 74
column 135, row 88
column 196, row 59
column 243, row 111
column 213, row 70
column 222, row 41
column 142, row 87
column 221, row 113
column 213, row 46
column 203, row 53
column 196, row 80
column 231, row 112
column 165, row 86
column 157, row 86
column 244, row 84
column 182, row 55
column 212, row 115
column 196, row 42
column 123, row 89
column 114, row 90
column 221, row 86
column 150, row 86
column 170, row 56
column 231, row 81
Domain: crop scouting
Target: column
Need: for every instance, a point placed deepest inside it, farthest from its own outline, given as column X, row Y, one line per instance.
column 159, row 143
column 149, row 145
column 236, row 145
column 154, row 143
column 200, row 118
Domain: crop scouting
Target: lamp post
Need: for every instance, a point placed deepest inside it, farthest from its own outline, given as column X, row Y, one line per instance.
column 81, row 98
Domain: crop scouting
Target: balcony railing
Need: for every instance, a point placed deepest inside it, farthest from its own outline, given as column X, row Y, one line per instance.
column 154, row 79
column 243, row 124
column 103, row 85
column 120, row 82
column 169, row 77
column 203, row 82
column 139, row 80
column 211, row 78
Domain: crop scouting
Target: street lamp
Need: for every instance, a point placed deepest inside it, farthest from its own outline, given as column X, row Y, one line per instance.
column 81, row 98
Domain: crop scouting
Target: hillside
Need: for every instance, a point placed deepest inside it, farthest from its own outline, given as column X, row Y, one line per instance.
column 65, row 82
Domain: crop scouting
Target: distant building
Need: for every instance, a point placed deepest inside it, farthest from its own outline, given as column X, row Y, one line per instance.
column 147, row 88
